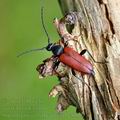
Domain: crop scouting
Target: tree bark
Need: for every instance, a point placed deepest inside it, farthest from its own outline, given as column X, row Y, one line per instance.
column 93, row 25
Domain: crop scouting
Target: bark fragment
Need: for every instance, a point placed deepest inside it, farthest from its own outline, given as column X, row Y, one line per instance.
column 94, row 29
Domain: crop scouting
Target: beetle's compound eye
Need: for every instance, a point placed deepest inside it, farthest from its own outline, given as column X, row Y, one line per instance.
column 49, row 47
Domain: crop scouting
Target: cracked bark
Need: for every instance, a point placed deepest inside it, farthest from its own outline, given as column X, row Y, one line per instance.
column 95, row 27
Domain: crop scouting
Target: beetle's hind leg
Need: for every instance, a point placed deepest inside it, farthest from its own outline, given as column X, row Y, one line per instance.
column 85, row 50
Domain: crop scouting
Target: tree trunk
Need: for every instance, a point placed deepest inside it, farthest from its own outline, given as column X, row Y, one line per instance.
column 93, row 25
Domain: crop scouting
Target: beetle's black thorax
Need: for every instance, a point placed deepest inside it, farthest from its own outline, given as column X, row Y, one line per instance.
column 56, row 49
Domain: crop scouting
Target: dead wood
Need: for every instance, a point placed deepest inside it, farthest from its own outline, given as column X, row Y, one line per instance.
column 93, row 25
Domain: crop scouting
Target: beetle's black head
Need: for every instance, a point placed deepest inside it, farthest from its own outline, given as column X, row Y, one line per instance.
column 49, row 46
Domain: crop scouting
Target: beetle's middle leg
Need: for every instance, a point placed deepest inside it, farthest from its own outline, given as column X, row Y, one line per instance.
column 74, row 74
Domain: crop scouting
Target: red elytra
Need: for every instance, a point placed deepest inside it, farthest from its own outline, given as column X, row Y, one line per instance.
column 76, row 61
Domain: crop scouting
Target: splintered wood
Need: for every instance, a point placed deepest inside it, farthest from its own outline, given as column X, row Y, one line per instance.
column 97, row 99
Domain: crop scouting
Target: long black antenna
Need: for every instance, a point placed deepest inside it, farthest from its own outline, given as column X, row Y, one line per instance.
column 43, row 24
column 37, row 49
column 33, row 50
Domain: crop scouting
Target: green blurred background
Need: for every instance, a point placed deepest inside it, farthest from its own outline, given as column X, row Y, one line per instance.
column 22, row 95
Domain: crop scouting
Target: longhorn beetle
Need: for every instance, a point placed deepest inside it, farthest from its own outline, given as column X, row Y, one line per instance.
column 67, row 55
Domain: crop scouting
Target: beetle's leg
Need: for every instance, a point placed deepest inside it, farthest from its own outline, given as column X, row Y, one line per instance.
column 56, row 63
column 85, row 50
column 66, row 43
column 80, row 79
column 73, row 72
column 55, row 66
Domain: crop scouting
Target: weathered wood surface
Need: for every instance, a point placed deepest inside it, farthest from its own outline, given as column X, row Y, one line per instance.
column 97, row 29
